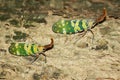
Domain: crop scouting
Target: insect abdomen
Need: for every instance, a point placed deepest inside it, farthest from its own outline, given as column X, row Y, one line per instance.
column 72, row 26
column 23, row 49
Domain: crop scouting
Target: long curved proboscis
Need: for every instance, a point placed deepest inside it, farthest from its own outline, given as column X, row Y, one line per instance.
column 101, row 18
column 49, row 46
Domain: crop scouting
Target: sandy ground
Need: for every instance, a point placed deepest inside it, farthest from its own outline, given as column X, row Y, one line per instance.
column 83, row 60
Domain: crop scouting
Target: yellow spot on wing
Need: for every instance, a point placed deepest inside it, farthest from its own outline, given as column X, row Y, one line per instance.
column 90, row 24
column 59, row 25
column 68, row 28
column 16, row 45
column 77, row 23
column 17, row 52
column 66, row 23
column 64, row 31
column 57, row 31
column 35, row 48
column 77, row 28
column 72, row 23
column 70, row 32
column 27, row 48
column 63, row 22
column 84, row 24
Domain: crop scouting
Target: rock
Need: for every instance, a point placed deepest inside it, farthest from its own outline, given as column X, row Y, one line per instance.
column 82, row 45
column 8, row 71
column 101, row 45
column 49, row 72
column 58, row 4
column 105, row 30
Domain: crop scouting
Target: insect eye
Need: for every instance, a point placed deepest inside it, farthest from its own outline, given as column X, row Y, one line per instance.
column 44, row 49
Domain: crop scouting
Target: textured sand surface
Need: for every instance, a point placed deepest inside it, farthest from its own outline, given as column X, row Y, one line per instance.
column 83, row 60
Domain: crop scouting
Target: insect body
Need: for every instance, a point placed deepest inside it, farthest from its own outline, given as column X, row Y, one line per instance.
column 72, row 26
column 23, row 49
column 77, row 26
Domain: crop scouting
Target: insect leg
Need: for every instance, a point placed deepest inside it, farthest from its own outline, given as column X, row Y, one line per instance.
column 43, row 55
column 83, row 34
column 92, row 34
column 36, row 57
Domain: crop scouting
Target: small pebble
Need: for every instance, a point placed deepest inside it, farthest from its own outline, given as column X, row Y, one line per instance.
column 101, row 44
column 82, row 45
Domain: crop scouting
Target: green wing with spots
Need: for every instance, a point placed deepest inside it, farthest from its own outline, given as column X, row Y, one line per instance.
column 23, row 49
column 72, row 26
column 63, row 27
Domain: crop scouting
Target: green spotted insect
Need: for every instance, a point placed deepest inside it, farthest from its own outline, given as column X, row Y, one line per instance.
column 24, row 49
column 77, row 26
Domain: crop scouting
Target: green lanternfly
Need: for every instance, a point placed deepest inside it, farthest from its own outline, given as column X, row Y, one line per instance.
column 77, row 26
column 24, row 49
